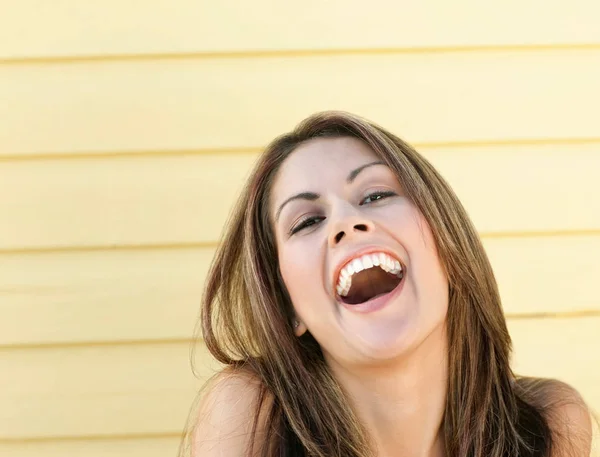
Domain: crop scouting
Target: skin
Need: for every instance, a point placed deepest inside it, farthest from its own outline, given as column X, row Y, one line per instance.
column 392, row 362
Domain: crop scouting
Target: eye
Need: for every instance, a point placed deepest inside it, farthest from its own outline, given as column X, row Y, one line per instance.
column 375, row 196
column 305, row 223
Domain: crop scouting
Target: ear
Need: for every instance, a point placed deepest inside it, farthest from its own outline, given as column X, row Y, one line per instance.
column 299, row 327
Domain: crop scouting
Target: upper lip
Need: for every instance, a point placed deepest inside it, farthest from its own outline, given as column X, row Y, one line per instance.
column 358, row 253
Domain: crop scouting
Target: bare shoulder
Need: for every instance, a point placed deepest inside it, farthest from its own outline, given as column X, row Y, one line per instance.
column 232, row 404
column 570, row 420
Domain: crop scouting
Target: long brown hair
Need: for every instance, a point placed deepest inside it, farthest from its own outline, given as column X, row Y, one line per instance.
column 247, row 319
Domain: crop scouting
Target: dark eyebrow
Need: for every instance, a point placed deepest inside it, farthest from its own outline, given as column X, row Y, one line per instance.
column 354, row 173
column 311, row 196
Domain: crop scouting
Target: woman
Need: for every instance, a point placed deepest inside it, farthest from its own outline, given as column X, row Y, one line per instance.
column 357, row 314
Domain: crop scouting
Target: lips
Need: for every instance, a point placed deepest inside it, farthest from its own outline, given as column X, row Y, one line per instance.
column 366, row 273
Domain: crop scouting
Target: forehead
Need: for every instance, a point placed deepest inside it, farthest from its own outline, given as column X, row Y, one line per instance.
column 321, row 161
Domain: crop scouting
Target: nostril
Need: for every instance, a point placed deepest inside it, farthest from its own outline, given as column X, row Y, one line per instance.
column 339, row 237
column 361, row 227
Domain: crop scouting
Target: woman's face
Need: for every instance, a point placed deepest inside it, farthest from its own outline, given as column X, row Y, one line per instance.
column 333, row 202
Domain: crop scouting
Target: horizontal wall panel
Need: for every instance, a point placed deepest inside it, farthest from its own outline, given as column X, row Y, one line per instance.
column 155, row 294
column 98, row 390
column 245, row 102
column 565, row 349
column 148, row 389
column 546, row 274
column 101, row 296
column 119, row 201
column 142, row 447
column 72, row 28
column 187, row 199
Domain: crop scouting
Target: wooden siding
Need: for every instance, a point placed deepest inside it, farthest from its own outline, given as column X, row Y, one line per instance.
column 242, row 102
column 126, row 133
column 69, row 29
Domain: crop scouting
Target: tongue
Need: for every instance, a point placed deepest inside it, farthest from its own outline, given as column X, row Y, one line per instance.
column 369, row 284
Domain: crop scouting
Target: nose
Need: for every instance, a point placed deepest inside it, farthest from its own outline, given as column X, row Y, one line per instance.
column 347, row 226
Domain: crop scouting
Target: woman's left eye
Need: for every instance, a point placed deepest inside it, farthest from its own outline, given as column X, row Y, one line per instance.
column 375, row 196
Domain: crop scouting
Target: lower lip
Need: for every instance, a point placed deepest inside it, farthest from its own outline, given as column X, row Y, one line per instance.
column 376, row 304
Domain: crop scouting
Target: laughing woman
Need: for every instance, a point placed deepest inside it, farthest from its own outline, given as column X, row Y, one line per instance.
column 357, row 314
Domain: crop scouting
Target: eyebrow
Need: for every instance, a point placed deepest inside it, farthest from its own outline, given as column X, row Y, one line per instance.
column 311, row 196
column 354, row 173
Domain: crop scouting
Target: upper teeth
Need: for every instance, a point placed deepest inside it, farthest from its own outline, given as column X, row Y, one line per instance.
column 377, row 259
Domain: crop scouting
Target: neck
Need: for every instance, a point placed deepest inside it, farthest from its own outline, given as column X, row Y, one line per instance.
column 402, row 403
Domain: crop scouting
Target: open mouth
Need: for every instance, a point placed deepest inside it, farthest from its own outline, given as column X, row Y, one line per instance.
column 368, row 277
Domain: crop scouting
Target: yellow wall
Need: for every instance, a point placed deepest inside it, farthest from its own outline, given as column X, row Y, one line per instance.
column 127, row 128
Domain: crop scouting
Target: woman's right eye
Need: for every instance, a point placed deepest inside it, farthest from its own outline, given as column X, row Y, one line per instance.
column 305, row 223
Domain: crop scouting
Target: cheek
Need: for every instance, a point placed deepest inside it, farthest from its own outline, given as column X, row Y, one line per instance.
column 433, row 282
column 301, row 275
column 429, row 277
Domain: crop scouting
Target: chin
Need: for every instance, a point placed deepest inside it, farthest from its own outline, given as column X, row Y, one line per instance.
column 386, row 347
column 394, row 338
